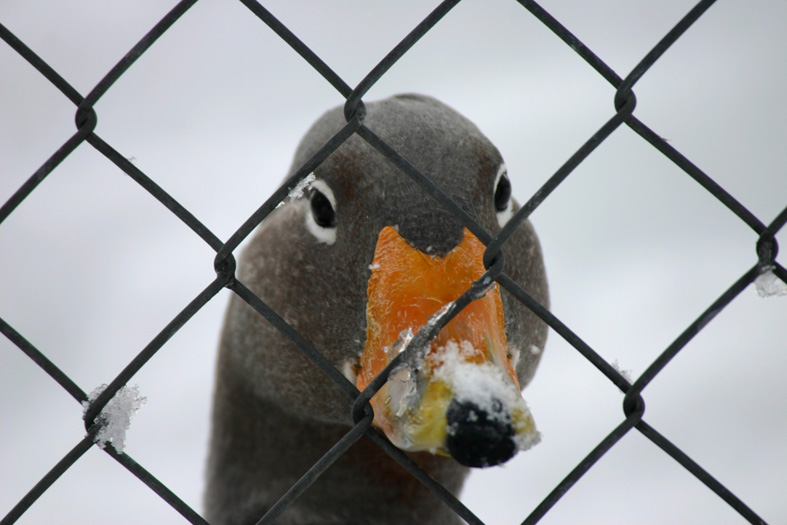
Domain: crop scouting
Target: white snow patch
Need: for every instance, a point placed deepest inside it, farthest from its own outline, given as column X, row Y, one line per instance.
column 299, row 189
column 350, row 370
column 484, row 385
column 400, row 345
column 526, row 440
column 622, row 371
column 402, row 389
column 768, row 284
column 438, row 315
column 115, row 418
column 514, row 355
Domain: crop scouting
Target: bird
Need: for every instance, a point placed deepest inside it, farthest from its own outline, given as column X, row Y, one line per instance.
column 357, row 263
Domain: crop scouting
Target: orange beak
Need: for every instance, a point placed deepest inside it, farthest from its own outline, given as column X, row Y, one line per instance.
column 468, row 360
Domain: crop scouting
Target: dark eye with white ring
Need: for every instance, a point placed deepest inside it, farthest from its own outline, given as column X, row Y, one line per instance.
column 321, row 218
column 502, row 196
column 322, row 209
column 502, row 192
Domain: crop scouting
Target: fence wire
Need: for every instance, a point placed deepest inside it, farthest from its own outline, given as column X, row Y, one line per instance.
column 224, row 263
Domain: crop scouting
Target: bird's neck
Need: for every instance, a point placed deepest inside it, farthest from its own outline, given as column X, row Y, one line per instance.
column 258, row 451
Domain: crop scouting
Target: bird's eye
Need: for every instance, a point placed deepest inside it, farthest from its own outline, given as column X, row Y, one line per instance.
column 321, row 218
column 502, row 192
column 322, row 209
column 502, row 196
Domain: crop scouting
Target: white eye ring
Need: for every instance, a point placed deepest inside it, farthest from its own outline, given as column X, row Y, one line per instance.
column 326, row 234
column 504, row 215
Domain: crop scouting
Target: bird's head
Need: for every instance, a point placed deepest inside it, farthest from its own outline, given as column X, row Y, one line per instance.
column 382, row 260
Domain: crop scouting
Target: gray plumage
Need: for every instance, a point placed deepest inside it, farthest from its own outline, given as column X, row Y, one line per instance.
column 274, row 412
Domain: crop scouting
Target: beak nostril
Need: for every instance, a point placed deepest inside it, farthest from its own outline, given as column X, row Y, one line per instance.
column 478, row 438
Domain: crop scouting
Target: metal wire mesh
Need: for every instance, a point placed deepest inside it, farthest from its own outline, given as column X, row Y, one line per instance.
column 765, row 258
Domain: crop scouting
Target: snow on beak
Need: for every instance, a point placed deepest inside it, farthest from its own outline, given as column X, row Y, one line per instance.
column 459, row 397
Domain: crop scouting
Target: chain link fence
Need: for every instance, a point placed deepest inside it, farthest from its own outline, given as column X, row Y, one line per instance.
column 764, row 269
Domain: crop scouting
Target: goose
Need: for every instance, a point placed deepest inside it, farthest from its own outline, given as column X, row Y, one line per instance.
column 357, row 264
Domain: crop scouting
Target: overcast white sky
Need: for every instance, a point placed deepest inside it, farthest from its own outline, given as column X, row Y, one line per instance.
column 92, row 267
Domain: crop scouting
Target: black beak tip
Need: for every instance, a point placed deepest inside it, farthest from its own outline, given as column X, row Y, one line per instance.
column 477, row 438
